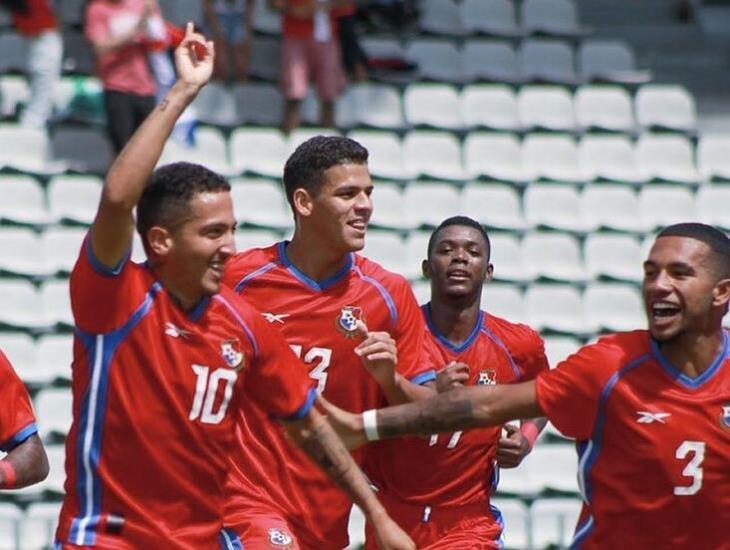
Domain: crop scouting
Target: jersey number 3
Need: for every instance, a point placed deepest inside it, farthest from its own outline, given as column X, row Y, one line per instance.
column 693, row 468
column 320, row 358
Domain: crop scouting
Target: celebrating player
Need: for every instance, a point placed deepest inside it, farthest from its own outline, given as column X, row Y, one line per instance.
column 315, row 290
column 650, row 410
column 26, row 462
column 162, row 352
column 438, row 488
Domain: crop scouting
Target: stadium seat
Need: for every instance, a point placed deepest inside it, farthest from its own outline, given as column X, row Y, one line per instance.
column 437, row 60
column 546, row 108
column 259, row 151
column 20, row 255
column 300, row 135
column 386, row 248
column 38, row 527
column 554, row 467
column 515, row 517
column 216, row 105
column 555, row 206
column 556, row 308
column 78, row 55
column 612, row 256
column 55, row 355
column 713, row 156
column 663, row 205
column 72, row 12
column 10, row 518
column 83, row 150
column 614, row 307
column 604, row 107
column 433, row 105
column 552, row 17
column 427, row 204
column 613, row 207
column 258, row 103
column 60, row 248
column 383, row 47
column 507, row 258
column 554, row 157
column 440, row 17
column 261, row 203
column 416, row 251
column 422, row 291
column 23, row 200
column 712, row 205
column 56, row 474
column 609, row 61
column 389, row 207
column 22, row 305
column 504, row 300
column 53, row 406
column 558, row 348
column 266, row 20
column 74, row 198
column 490, row 106
column 182, row 11
column 666, row 107
column 15, row 53
column 667, row 158
column 14, row 93
column 265, row 59
column 610, row 157
column 494, row 17
column 26, row 150
column 374, row 105
column 57, row 303
column 496, row 156
column 545, row 60
column 255, row 238
column 492, row 61
column 555, row 256
column 554, row 520
column 20, row 350
column 433, row 154
column 210, row 149
column 385, row 154
column 494, row 205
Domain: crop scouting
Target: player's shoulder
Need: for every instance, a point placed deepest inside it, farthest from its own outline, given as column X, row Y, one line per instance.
column 615, row 351
column 374, row 271
column 514, row 335
column 244, row 264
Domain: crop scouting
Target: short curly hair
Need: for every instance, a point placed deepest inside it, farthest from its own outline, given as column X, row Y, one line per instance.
column 717, row 241
column 463, row 221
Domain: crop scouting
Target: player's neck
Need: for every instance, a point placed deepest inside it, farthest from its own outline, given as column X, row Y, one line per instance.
column 316, row 261
column 455, row 319
column 693, row 353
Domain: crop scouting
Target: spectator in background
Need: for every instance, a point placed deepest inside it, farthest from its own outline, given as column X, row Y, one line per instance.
column 353, row 57
column 34, row 20
column 309, row 50
column 117, row 30
column 229, row 23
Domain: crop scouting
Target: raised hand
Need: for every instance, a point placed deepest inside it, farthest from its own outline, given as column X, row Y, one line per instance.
column 378, row 353
column 194, row 58
column 453, row 375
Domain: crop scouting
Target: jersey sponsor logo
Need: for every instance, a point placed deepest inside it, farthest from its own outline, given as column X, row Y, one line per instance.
column 725, row 417
column 347, row 320
column 487, row 378
column 175, row 331
column 647, row 417
column 231, row 353
column 280, row 538
column 275, row 317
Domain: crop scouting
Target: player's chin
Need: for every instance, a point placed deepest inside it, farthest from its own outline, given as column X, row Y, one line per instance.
column 211, row 283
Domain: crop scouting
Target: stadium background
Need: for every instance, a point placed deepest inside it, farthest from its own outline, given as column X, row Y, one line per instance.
column 572, row 130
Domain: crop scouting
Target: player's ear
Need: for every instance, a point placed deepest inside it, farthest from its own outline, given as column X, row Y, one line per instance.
column 721, row 293
column 426, row 269
column 302, row 201
column 490, row 273
column 159, row 240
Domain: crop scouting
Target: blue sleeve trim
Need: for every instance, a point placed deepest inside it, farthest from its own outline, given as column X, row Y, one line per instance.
column 302, row 411
column 19, row 437
column 99, row 267
column 424, row 377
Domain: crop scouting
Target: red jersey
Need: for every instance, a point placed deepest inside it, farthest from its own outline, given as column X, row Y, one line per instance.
column 653, row 444
column 318, row 320
column 37, row 19
column 458, row 469
column 17, row 422
column 297, row 27
column 148, row 448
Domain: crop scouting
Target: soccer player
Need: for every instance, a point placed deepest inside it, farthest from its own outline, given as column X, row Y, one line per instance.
column 26, row 462
column 315, row 290
column 649, row 409
column 162, row 353
column 438, row 489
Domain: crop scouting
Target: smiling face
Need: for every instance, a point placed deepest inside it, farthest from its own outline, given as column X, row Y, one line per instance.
column 680, row 288
column 458, row 262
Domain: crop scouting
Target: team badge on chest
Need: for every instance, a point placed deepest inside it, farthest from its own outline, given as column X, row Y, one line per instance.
column 347, row 320
column 487, row 378
column 725, row 417
column 231, row 353
column 280, row 539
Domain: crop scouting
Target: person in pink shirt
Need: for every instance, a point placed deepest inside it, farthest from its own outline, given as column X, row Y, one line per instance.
column 117, row 30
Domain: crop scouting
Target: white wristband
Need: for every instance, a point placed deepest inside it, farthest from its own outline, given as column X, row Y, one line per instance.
column 370, row 425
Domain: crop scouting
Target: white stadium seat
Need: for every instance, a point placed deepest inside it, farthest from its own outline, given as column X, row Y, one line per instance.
column 23, row 200
column 556, row 17
column 74, row 198
column 429, row 203
column 55, row 355
column 614, row 307
column 546, row 108
column 60, row 248
column 604, row 107
column 494, row 205
column 255, row 238
column 438, row 60
column 385, row 153
column 10, row 518
column 610, row 157
column 613, row 256
column 554, row 157
column 258, row 103
column 386, row 248
column 261, row 203
column 613, row 206
column 433, row 154
column 544, row 60
column 554, row 256
column 416, row 251
column 490, row 106
column 21, row 247
column 57, row 302
column 664, row 106
column 555, row 206
column 54, row 408
column 713, row 156
column 554, row 521
column 507, row 258
column 210, row 149
column 440, row 17
column 504, row 300
column 375, row 105
column 215, row 104
column 496, row 156
column 516, row 521
column 434, row 105
column 663, row 205
column 556, row 307
column 558, row 348
column 491, row 60
column 22, row 305
column 259, row 151
column 39, row 525
column 495, row 17
column 609, row 61
column 712, row 205
column 389, row 207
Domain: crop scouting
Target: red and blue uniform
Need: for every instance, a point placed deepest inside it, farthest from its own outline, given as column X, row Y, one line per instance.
column 156, row 391
column 438, row 489
column 270, row 481
column 17, row 421
column 653, row 444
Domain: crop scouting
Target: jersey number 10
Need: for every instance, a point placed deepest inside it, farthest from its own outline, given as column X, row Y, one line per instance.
column 206, row 389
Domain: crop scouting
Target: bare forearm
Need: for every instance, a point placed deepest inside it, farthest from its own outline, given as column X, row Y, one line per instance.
column 28, row 462
column 401, row 390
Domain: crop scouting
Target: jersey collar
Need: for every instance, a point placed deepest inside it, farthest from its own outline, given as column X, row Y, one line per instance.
column 426, row 308
column 688, row 381
column 324, row 284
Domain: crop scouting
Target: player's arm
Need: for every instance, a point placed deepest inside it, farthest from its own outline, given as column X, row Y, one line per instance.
column 318, row 440
column 459, row 409
column 24, row 465
column 513, row 447
column 111, row 232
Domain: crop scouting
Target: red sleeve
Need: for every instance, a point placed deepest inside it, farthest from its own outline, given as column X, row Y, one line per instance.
column 102, row 299
column 278, row 381
column 569, row 394
column 530, row 354
column 17, row 421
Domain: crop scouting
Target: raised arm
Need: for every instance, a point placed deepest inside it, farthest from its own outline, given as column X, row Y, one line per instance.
column 111, row 232
column 318, row 440
column 24, row 465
